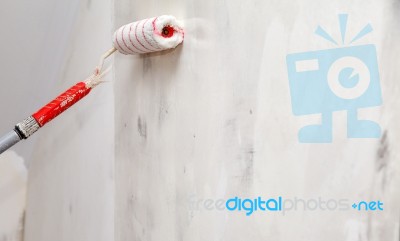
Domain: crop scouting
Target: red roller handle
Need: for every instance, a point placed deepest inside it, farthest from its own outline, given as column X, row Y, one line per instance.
column 61, row 103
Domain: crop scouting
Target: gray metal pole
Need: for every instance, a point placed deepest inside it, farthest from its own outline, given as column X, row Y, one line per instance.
column 8, row 141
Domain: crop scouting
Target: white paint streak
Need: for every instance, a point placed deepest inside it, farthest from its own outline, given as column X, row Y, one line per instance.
column 13, row 176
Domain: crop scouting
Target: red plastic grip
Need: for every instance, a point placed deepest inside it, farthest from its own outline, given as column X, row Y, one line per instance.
column 61, row 103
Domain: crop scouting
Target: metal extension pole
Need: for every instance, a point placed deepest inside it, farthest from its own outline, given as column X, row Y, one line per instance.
column 8, row 140
column 30, row 125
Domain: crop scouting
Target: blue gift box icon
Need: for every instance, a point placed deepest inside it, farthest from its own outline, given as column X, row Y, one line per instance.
column 325, row 81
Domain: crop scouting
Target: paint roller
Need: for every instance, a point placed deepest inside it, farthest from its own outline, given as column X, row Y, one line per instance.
column 141, row 37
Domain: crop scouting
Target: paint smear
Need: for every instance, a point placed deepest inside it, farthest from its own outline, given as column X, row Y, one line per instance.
column 13, row 185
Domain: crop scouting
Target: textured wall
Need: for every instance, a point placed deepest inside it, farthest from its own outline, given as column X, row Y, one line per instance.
column 212, row 119
column 13, row 175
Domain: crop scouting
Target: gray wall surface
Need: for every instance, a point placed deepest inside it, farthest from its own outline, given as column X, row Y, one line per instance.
column 33, row 46
column 211, row 119
column 48, row 46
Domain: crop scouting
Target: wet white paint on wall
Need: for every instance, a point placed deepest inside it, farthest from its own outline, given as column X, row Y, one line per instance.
column 13, row 178
column 213, row 119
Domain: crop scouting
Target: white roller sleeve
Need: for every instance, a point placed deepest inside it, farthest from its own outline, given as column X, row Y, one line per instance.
column 149, row 35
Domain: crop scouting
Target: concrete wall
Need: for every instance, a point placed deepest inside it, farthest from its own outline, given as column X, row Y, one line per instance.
column 211, row 119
